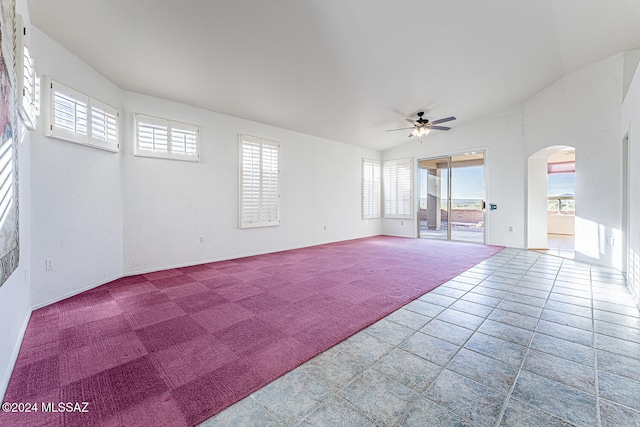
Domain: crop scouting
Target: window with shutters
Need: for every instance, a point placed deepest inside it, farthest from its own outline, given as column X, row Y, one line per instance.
column 370, row 188
column 259, row 182
column 76, row 117
column 28, row 80
column 166, row 139
column 397, row 188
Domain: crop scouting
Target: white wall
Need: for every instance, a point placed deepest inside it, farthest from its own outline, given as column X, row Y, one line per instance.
column 582, row 109
column 168, row 204
column 100, row 215
column 537, row 202
column 561, row 224
column 500, row 134
column 631, row 125
column 15, row 293
column 72, row 209
column 76, row 191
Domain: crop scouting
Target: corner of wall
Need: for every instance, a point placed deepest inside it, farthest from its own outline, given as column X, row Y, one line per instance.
column 630, row 69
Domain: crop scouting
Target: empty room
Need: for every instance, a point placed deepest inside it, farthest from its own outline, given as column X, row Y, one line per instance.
column 320, row 213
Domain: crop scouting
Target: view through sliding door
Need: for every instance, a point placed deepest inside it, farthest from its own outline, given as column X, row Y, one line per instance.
column 451, row 194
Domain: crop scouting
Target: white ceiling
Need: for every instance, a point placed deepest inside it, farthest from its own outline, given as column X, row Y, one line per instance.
column 345, row 70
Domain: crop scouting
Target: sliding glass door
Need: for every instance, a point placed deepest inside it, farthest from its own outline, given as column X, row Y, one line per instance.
column 467, row 200
column 451, row 191
column 433, row 176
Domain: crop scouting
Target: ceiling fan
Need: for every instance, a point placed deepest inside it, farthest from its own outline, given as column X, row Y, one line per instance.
column 422, row 126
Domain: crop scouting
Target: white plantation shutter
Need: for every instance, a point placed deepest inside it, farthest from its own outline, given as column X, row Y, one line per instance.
column 29, row 98
column 370, row 188
column 76, row 117
column 36, row 102
column 104, row 125
column 28, row 81
column 397, row 188
column 269, row 212
column 69, row 112
column 259, row 182
column 152, row 135
column 7, row 177
column 167, row 139
column 28, row 74
column 184, row 140
column 250, row 183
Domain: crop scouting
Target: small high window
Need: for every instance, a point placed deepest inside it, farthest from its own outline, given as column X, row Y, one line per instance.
column 76, row 117
column 166, row 139
column 28, row 80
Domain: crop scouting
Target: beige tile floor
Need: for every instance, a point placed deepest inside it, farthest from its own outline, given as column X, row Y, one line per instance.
column 560, row 245
column 521, row 339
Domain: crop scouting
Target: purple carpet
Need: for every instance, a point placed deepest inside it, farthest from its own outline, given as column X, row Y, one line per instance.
column 176, row 347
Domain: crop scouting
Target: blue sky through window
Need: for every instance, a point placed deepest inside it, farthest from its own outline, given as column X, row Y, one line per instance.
column 561, row 184
column 468, row 184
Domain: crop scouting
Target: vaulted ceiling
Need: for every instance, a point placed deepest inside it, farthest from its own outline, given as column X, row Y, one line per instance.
column 345, row 70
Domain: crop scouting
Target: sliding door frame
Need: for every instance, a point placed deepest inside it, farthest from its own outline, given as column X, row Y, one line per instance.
column 448, row 158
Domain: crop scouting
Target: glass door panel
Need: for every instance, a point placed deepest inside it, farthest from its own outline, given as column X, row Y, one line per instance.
column 433, row 175
column 467, row 211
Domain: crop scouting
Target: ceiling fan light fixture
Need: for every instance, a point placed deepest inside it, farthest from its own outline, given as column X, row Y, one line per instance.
column 422, row 127
column 420, row 131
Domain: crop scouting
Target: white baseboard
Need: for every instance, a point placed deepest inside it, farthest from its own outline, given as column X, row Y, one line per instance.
column 74, row 292
column 14, row 358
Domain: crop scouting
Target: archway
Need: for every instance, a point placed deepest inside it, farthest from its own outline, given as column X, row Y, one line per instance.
column 551, row 201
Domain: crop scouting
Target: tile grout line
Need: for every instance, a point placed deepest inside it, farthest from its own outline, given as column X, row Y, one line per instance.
column 403, row 416
column 368, row 367
column 460, row 347
column 596, row 385
column 528, row 347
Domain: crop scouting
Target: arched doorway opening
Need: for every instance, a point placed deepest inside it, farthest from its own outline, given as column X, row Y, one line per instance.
column 551, row 201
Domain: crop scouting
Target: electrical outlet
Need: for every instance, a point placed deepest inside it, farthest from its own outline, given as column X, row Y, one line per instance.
column 510, row 228
column 610, row 241
column 401, row 222
column 324, row 227
column 203, row 239
column 48, row 264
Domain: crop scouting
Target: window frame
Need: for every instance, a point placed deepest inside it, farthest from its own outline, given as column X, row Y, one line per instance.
column 371, row 189
column 268, row 206
column 89, row 136
column 403, row 197
column 561, row 201
column 171, row 127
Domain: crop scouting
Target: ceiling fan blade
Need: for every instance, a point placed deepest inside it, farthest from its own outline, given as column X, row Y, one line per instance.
column 439, row 127
column 448, row 119
column 392, row 130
